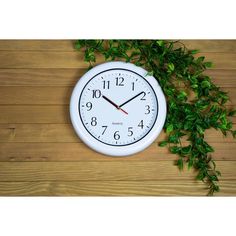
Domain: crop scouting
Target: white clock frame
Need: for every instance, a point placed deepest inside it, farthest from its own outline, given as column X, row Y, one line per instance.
column 106, row 149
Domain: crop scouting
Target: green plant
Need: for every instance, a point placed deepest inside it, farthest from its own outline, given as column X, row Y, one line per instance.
column 195, row 103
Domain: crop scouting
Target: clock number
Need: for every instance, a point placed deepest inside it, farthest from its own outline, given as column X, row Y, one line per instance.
column 148, row 109
column 105, row 127
column 89, row 105
column 130, row 131
column 143, row 97
column 96, row 93
column 116, row 135
column 133, row 86
column 94, row 121
column 119, row 81
column 141, row 124
column 106, row 84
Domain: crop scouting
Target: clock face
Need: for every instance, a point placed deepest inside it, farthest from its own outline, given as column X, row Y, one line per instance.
column 118, row 107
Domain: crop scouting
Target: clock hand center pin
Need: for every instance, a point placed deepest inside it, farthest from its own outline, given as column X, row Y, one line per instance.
column 114, row 104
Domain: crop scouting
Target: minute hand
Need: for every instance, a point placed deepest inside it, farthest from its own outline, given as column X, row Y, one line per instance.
column 130, row 99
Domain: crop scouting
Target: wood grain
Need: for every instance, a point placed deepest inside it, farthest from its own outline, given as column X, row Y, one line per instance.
column 106, row 170
column 37, row 45
column 45, row 59
column 112, row 188
column 40, row 77
column 34, row 114
column 211, row 45
column 68, row 45
column 223, row 78
column 42, row 59
column 220, row 60
column 40, row 154
column 36, row 95
column 69, row 77
column 32, row 152
column 64, row 133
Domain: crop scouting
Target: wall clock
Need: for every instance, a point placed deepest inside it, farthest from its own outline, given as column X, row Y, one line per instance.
column 117, row 109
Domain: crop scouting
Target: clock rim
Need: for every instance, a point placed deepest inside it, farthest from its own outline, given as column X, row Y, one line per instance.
column 117, row 150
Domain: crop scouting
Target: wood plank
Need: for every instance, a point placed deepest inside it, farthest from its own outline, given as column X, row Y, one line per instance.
column 68, row 45
column 32, row 152
column 220, row 60
column 44, row 59
column 64, row 133
column 114, row 188
column 223, row 78
column 61, row 152
column 211, row 45
column 39, row 114
column 36, row 95
column 37, row 45
column 34, row 114
column 55, row 95
column 40, row 77
column 69, row 77
column 99, row 171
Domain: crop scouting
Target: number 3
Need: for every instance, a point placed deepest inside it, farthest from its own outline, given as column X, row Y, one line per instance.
column 148, row 109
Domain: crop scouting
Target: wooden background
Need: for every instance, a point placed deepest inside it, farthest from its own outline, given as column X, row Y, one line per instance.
column 40, row 153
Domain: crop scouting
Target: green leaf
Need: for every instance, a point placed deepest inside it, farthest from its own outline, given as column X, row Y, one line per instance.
column 200, row 175
column 200, row 60
column 186, row 150
column 232, row 113
column 208, row 64
column 182, row 96
column 209, row 149
column 180, row 164
column 171, row 67
column 163, row 143
column 188, row 125
column 190, row 162
column 174, row 138
column 205, row 84
column 78, row 45
column 150, row 73
column 169, row 128
column 194, row 86
column 194, row 52
column 213, row 178
column 160, row 43
column 175, row 149
column 233, row 133
column 200, row 129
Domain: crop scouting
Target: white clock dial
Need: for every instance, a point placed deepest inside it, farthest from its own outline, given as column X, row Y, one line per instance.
column 118, row 107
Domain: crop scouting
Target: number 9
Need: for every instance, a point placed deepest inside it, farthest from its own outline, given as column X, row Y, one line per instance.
column 89, row 105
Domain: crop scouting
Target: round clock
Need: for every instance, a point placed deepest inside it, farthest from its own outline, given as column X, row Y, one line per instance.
column 117, row 109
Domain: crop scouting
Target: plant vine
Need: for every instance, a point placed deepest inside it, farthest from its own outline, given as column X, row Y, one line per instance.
column 194, row 102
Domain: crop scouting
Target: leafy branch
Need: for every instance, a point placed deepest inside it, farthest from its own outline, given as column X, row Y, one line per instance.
column 195, row 103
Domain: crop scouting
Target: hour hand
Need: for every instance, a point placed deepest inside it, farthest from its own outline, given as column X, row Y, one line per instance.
column 131, row 99
column 114, row 104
